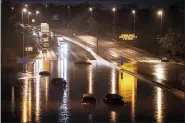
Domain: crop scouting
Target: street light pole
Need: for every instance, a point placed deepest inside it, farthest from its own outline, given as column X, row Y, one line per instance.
column 23, row 10
column 37, row 12
column 134, row 13
column 90, row 9
column 114, row 21
column 68, row 14
column 29, row 13
column 160, row 13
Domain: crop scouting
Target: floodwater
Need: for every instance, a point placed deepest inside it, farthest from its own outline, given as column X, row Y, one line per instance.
column 32, row 98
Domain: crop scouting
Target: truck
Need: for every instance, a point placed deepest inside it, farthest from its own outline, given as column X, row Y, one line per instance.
column 45, row 29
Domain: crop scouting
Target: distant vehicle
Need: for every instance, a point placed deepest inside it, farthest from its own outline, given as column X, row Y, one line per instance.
column 88, row 99
column 113, row 99
column 44, row 51
column 164, row 59
column 44, row 73
column 58, row 81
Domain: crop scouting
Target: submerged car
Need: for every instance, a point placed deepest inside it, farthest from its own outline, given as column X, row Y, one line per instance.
column 44, row 73
column 88, row 99
column 113, row 99
column 164, row 59
column 58, row 81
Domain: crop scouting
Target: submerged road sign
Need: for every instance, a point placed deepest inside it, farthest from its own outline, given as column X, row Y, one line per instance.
column 22, row 60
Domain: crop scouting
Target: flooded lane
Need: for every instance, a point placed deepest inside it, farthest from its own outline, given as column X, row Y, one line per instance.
column 36, row 99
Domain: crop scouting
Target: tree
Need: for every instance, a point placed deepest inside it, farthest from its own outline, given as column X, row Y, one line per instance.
column 173, row 42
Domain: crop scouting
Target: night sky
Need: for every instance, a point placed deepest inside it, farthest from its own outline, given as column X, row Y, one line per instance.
column 140, row 3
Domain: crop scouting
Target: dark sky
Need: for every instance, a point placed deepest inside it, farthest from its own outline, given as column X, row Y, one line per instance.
column 141, row 3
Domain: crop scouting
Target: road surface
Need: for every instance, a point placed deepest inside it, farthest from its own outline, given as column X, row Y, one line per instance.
column 148, row 65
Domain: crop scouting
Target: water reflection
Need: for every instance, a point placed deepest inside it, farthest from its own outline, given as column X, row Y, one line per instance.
column 62, row 73
column 24, row 102
column 37, row 103
column 128, row 86
column 90, row 90
column 113, row 81
column 159, row 71
column 113, row 117
column 13, row 101
column 29, row 102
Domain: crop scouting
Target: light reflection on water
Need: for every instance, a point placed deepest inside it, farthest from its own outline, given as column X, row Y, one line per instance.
column 160, row 73
column 37, row 103
column 113, row 117
column 119, row 82
column 64, row 111
column 113, row 85
column 128, row 86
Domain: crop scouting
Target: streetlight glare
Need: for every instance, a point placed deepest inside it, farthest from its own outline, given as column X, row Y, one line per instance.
column 12, row 8
column 133, row 11
column 26, row 5
column 24, row 10
column 160, row 12
column 46, row 6
column 29, row 13
column 90, row 9
column 37, row 12
column 68, row 7
column 113, row 9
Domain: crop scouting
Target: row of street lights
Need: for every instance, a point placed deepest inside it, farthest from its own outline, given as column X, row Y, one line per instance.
column 24, row 10
column 160, row 13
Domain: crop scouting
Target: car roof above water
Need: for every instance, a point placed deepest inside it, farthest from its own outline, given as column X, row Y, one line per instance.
column 87, row 95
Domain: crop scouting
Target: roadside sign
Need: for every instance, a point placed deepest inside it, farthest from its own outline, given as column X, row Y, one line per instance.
column 22, row 60
column 55, row 17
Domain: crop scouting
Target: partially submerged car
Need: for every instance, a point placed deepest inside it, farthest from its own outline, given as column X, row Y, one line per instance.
column 44, row 73
column 113, row 99
column 88, row 99
column 58, row 81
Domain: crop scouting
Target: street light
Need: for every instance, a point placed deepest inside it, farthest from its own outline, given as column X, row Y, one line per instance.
column 134, row 13
column 68, row 14
column 29, row 13
column 90, row 9
column 46, row 6
column 12, row 8
column 26, row 5
column 37, row 12
column 160, row 13
column 114, row 10
column 23, row 11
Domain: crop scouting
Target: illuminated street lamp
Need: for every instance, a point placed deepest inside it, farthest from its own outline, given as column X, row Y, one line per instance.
column 26, row 5
column 68, row 14
column 46, row 6
column 160, row 13
column 134, row 13
column 37, row 12
column 91, row 9
column 12, row 8
column 29, row 13
column 114, row 10
column 23, row 11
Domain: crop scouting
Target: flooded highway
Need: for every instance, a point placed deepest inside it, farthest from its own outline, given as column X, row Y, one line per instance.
column 33, row 98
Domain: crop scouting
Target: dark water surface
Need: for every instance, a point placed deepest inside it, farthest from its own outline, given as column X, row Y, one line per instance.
column 31, row 98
